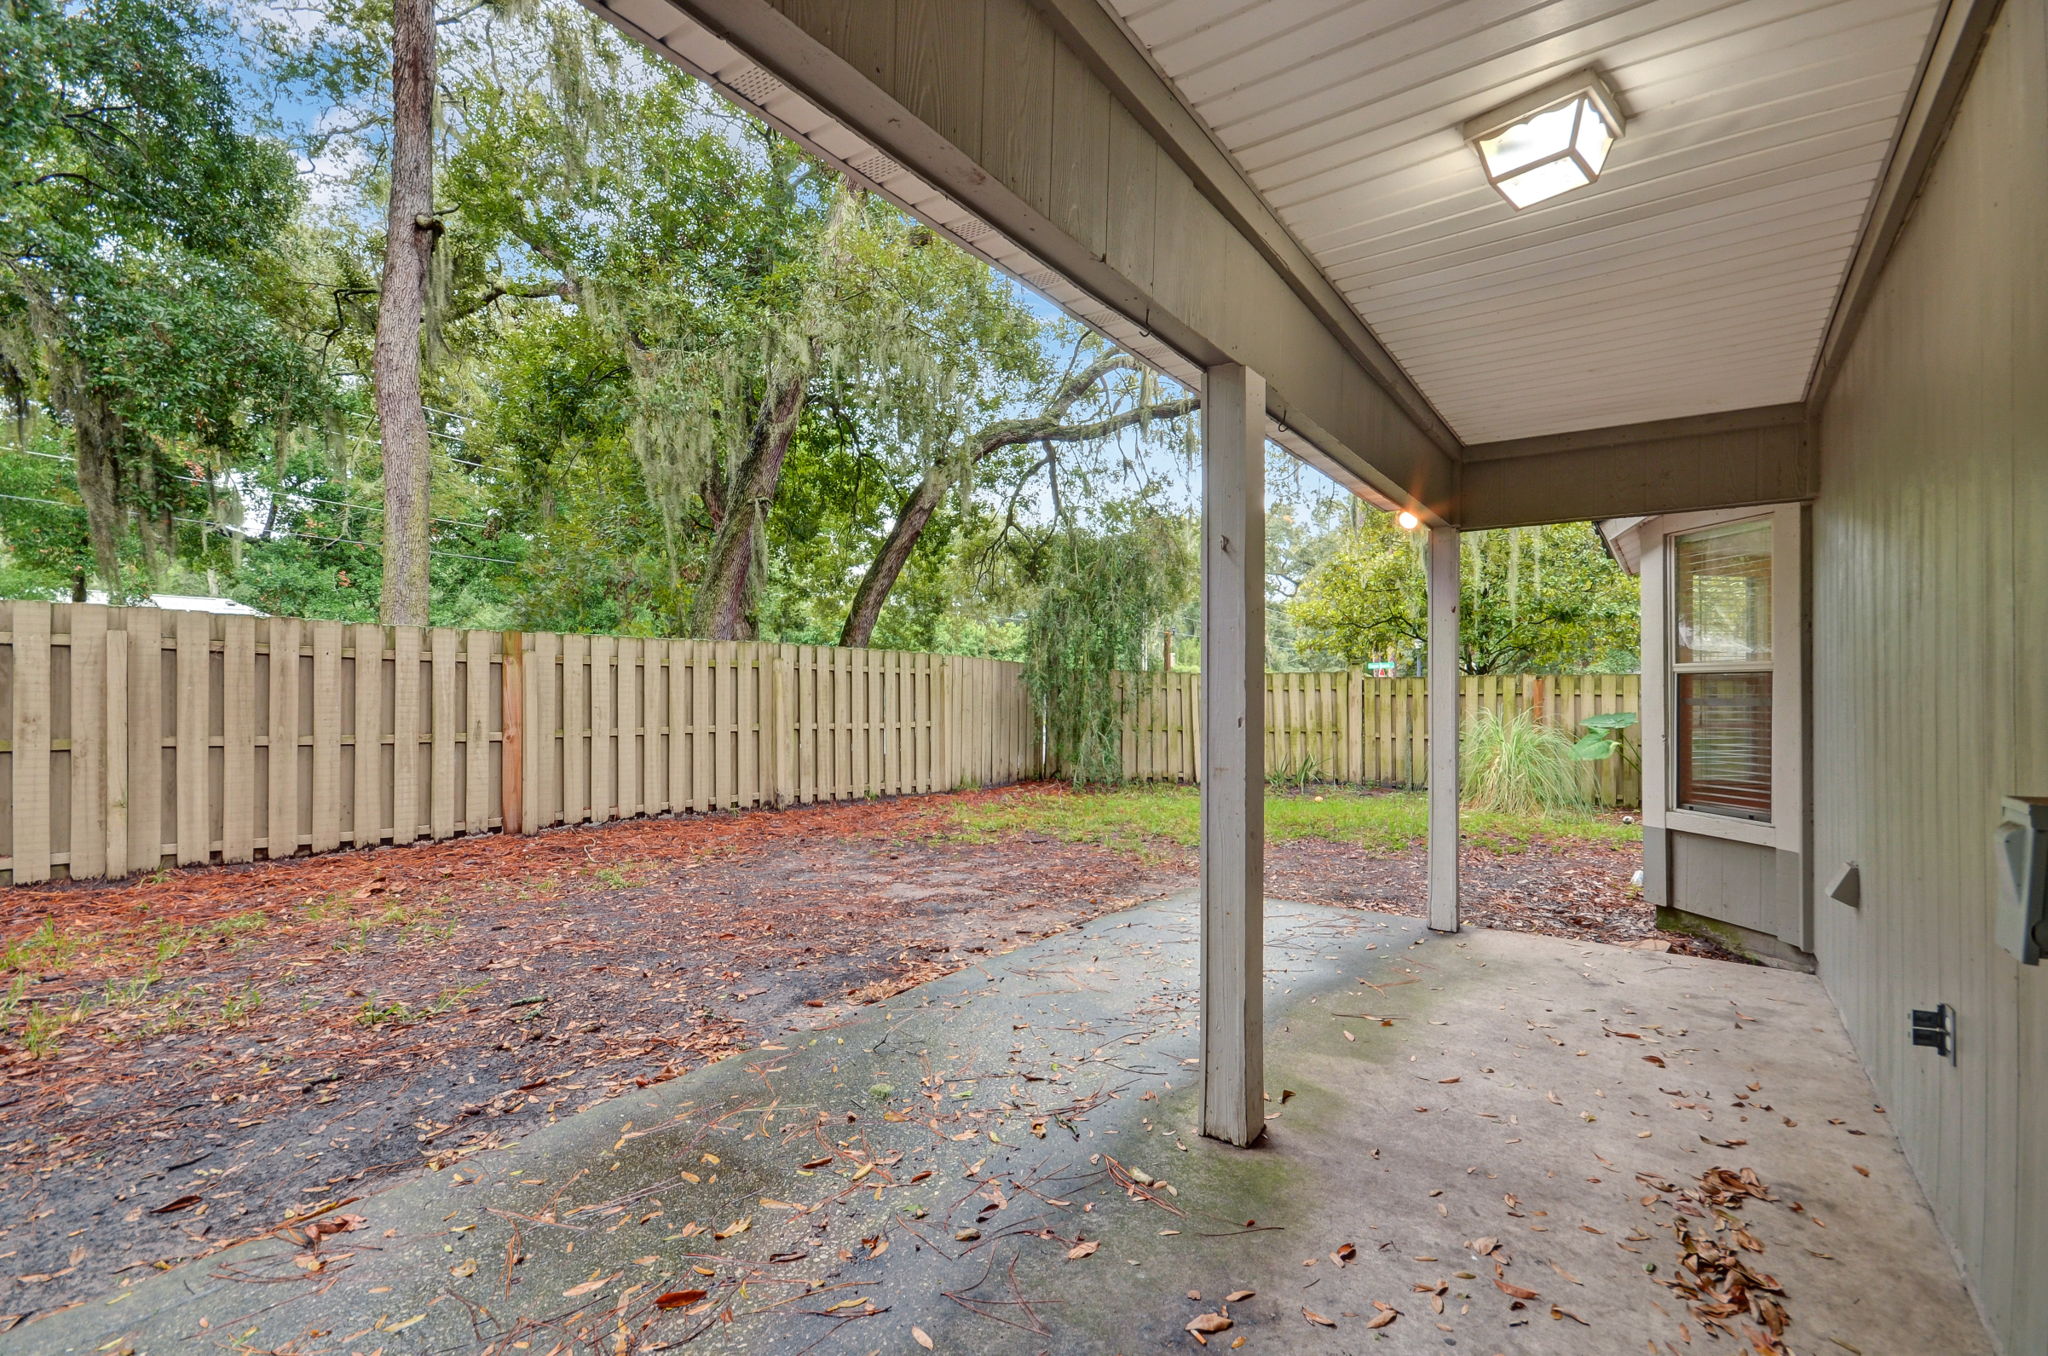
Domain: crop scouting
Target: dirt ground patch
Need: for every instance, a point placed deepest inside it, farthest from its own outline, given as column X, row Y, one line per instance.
column 200, row 1056
column 1559, row 888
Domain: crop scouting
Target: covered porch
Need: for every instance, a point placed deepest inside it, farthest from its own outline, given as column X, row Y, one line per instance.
column 1806, row 276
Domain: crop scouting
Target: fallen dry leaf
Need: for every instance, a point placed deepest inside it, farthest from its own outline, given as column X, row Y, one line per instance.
column 921, row 1337
column 1083, row 1249
column 1314, row 1317
column 1514, row 1291
column 1383, row 1318
column 677, row 1299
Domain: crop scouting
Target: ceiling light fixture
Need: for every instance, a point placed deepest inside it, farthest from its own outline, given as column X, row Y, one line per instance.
column 1550, row 141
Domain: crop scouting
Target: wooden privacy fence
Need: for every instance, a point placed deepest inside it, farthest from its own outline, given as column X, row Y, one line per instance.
column 136, row 736
column 1351, row 727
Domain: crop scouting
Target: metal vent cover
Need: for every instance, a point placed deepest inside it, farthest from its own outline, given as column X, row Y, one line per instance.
column 875, row 167
column 754, row 85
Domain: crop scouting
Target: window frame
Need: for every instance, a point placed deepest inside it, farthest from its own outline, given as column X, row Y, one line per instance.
column 1681, row 669
column 1787, row 667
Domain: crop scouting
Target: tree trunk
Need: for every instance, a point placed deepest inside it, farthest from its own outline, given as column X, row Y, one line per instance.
column 881, row 577
column 916, row 512
column 401, row 312
column 723, row 606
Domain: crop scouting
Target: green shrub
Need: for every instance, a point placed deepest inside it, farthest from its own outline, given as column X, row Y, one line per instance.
column 1518, row 765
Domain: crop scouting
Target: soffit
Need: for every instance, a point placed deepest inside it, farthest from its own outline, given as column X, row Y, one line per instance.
column 1697, row 275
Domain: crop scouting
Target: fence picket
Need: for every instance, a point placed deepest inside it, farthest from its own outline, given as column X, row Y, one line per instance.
column 29, row 746
column 545, row 735
column 446, row 725
column 406, row 818
column 191, row 636
column 366, row 737
column 86, row 845
column 237, row 749
column 113, row 789
column 281, row 744
column 603, row 722
column 326, row 713
column 477, row 753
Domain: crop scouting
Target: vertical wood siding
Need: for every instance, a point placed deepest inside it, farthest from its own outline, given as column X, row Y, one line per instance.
column 1930, row 646
column 132, row 737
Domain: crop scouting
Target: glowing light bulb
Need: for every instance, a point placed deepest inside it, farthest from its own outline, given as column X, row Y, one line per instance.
column 1408, row 521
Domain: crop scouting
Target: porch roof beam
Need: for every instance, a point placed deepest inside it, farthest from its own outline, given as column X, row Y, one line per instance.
column 1758, row 456
column 988, row 101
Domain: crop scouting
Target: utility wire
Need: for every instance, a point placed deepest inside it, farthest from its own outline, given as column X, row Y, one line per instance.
column 295, row 494
column 237, row 532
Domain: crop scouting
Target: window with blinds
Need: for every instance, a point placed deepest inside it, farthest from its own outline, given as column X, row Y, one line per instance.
column 1723, row 669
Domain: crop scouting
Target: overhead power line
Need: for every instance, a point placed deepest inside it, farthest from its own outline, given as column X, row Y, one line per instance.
column 295, row 494
column 237, row 532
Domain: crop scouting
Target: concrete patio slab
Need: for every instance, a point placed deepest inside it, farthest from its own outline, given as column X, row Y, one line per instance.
column 1004, row 1161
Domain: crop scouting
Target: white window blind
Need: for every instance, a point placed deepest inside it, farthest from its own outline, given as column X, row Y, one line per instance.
column 1723, row 666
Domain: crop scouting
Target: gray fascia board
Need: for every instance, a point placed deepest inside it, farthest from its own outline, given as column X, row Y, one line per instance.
column 1110, row 51
column 1766, row 455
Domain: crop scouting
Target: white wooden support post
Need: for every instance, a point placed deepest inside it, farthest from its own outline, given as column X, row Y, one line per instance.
column 1443, row 729
column 1233, row 754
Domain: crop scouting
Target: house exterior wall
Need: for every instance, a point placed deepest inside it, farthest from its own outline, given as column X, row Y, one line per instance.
column 1930, row 671
column 1730, row 882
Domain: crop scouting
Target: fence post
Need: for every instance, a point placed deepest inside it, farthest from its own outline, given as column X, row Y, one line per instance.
column 511, row 734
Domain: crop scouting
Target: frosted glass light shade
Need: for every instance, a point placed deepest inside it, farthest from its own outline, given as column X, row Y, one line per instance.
column 1550, row 141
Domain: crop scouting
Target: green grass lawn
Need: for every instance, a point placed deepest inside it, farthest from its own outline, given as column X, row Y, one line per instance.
column 1135, row 818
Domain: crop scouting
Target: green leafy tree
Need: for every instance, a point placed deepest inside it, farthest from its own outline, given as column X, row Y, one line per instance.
column 48, row 551
column 137, row 221
column 1104, row 595
column 740, row 303
column 1532, row 600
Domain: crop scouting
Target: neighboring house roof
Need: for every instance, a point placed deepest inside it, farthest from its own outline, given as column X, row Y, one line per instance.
column 1619, row 537
column 187, row 602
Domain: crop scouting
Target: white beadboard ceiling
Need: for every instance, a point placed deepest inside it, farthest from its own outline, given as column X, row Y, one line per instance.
column 1697, row 275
